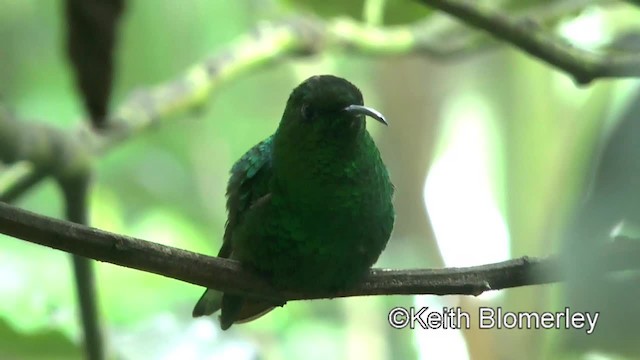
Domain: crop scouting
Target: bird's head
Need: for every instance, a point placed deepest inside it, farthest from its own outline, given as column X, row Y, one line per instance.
column 327, row 109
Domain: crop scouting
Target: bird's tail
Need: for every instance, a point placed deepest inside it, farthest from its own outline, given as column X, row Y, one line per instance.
column 209, row 303
column 235, row 309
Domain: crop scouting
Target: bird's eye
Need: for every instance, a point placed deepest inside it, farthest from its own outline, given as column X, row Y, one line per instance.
column 307, row 112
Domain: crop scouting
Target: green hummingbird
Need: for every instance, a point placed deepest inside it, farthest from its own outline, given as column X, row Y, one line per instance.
column 310, row 206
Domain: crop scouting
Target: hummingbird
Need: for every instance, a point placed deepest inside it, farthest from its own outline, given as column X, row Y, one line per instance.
column 310, row 207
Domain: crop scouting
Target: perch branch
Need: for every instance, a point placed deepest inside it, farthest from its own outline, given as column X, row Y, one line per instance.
column 227, row 275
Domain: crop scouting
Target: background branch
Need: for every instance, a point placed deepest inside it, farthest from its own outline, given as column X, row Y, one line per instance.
column 75, row 191
column 530, row 37
column 24, row 180
column 50, row 150
column 228, row 276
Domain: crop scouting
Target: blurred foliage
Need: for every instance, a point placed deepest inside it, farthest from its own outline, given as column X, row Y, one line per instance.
column 540, row 134
column 51, row 344
column 91, row 40
column 394, row 12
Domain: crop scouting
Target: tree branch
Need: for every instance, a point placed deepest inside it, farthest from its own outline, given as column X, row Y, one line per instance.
column 52, row 151
column 17, row 180
column 527, row 35
column 75, row 191
column 229, row 276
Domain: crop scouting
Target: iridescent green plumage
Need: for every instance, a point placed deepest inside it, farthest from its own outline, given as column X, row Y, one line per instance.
column 309, row 207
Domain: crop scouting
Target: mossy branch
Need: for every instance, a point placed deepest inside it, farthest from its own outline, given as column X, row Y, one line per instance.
column 52, row 151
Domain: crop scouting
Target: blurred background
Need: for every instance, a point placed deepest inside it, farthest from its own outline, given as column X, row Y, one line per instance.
column 491, row 154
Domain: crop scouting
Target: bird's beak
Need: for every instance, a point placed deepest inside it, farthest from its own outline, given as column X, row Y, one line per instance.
column 359, row 109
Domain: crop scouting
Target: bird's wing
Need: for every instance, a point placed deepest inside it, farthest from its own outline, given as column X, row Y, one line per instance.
column 249, row 182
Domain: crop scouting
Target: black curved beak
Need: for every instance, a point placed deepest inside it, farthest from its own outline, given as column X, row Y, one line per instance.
column 373, row 113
